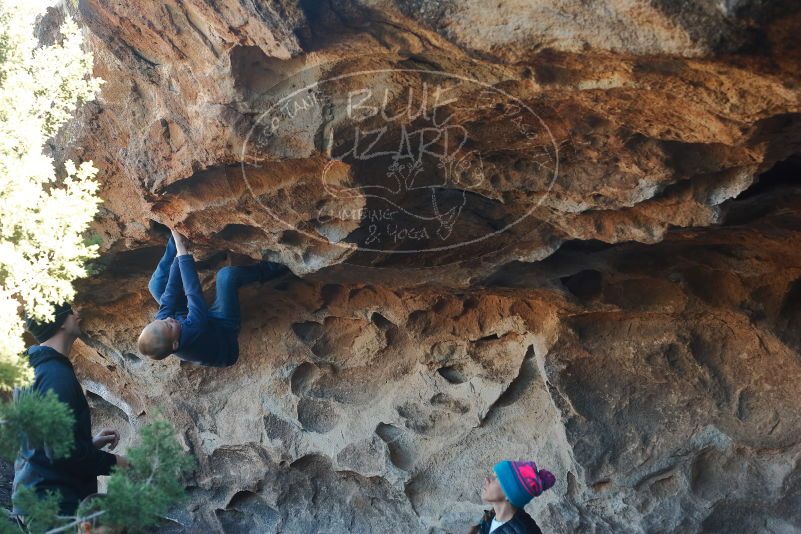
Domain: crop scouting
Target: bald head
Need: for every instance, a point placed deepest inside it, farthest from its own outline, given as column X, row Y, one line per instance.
column 158, row 339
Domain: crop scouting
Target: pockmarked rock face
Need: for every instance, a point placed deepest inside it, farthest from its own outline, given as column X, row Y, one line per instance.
column 567, row 232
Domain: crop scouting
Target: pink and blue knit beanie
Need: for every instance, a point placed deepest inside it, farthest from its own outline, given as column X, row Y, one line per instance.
column 522, row 481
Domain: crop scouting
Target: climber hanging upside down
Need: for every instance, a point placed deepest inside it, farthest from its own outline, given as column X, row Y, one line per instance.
column 184, row 325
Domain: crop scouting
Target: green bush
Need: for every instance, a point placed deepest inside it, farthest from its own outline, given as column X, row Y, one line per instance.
column 40, row 421
column 139, row 496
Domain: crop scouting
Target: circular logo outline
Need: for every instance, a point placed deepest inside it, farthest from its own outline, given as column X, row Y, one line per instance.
column 354, row 246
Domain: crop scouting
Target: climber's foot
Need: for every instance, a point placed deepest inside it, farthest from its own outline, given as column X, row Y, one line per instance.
column 271, row 270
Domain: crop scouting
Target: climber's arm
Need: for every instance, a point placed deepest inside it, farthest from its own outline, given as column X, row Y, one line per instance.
column 198, row 312
column 172, row 298
column 180, row 246
column 197, row 317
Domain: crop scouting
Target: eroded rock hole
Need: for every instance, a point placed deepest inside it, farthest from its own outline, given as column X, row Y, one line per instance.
column 399, row 453
column 241, row 233
column 247, row 512
column 317, row 416
column 789, row 321
column 302, row 378
column 256, row 73
column 452, row 374
column 381, row 322
column 449, row 403
column 524, row 381
column 291, row 238
column 585, row 285
column 786, row 173
column 308, row 332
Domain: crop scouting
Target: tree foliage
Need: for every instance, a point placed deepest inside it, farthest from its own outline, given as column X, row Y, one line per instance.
column 42, row 511
column 138, row 497
column 42, row 217
column 36, row 420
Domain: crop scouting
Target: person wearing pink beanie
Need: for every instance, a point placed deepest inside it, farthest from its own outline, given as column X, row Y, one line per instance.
column 511, row 487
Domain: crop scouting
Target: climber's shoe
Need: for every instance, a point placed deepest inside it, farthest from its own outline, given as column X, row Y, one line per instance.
column 270, row 270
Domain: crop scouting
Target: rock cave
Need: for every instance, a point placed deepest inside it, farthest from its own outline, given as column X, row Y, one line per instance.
column 559, row 230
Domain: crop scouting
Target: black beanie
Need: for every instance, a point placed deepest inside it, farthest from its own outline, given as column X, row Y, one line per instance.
column 44, row 331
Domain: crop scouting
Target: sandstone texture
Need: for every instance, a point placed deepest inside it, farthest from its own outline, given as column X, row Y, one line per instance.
column 596, row 262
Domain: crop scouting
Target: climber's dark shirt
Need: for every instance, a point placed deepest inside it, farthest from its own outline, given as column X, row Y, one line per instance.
column 521, row 523
column 75, row 476
column 203, row 339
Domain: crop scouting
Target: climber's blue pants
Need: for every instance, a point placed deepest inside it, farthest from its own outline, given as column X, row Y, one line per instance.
column 229, row 279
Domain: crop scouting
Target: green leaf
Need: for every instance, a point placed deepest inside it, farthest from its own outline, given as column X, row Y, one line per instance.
column 41, row 513
column 139, row 496
column 37, row 421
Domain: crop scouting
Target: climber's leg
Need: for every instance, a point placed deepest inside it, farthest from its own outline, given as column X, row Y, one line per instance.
column 159, row 279
column 226, row 303
column 229, row 280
